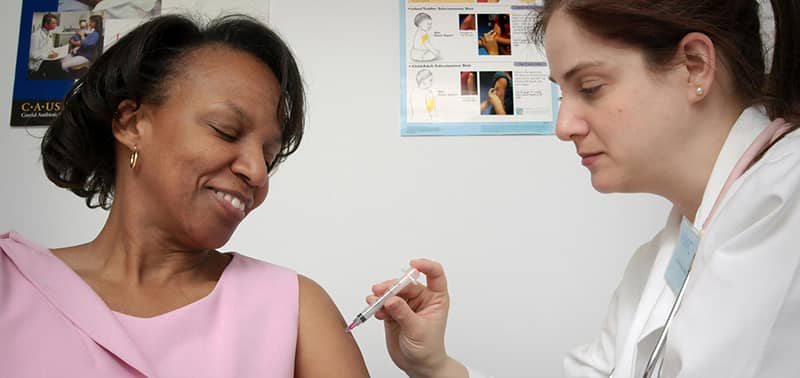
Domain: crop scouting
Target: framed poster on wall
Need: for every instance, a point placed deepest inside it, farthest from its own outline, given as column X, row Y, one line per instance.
column 470, row 68
column 59, row 40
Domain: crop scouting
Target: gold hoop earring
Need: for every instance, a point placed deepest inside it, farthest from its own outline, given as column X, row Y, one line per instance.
column 134, row 157
column 699, row 91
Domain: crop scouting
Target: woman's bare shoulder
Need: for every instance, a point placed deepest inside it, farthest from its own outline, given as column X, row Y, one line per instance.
column 323, row 347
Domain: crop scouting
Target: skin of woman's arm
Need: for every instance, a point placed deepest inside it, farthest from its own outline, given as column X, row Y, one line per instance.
column 323, row 347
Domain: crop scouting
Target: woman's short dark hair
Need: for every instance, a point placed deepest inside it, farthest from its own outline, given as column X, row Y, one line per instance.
column 78, row 149
column 657, row 27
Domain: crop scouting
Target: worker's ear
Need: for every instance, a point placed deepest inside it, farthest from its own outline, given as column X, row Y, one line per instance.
column 697, row 54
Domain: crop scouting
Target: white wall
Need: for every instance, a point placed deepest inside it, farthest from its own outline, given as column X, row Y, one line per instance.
column 514, row 219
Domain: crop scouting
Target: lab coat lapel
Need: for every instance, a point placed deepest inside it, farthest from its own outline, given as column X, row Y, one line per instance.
column 654, row 304
column 70, row 295
column 657, row 297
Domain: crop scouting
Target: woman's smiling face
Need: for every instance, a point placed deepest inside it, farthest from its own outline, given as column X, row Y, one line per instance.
column 205, row 150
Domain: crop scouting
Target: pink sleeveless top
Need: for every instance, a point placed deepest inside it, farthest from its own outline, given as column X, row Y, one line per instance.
column 53, row 324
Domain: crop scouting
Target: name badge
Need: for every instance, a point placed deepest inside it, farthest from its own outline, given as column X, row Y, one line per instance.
column 682, row 257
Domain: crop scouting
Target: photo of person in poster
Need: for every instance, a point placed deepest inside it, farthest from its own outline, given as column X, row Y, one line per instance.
column 469, row 83
column 466, row 22
column 60, row 39
column 64, row 45
column 83, row 26
column 497, row 93
column 494, row 34
column 42, row 47
column 87, row 47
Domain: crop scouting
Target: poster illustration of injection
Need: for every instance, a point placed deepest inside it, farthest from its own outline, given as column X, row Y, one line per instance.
column 470, row 68
column 60, row 39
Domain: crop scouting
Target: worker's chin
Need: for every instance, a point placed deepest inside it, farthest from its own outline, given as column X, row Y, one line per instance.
column 604, row 183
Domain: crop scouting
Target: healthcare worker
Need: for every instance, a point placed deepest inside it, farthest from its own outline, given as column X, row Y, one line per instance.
column 42, row 46
column 670, row 97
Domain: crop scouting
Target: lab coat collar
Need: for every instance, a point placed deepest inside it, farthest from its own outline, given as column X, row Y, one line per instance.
column 747, row 127
column 71, row 296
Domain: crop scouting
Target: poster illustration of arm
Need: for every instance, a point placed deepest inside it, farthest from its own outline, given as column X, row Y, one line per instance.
column 60, row 39
column 468, row 68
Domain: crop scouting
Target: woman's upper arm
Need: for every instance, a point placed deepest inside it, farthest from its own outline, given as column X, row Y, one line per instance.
column 323, row 347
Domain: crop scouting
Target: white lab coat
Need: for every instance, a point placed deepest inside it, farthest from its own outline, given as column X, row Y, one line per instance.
column 41, row 47
column 740, row 316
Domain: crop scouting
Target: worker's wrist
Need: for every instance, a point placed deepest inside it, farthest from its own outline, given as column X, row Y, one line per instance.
column 448, row 368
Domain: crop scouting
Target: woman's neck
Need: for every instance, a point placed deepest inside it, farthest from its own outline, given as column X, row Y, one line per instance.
column 693, row 165
column 139, row 271
column 139, row 254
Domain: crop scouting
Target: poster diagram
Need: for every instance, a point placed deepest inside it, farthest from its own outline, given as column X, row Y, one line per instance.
column 469, row 68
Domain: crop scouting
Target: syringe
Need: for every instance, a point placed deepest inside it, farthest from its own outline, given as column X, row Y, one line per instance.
column 410, row 276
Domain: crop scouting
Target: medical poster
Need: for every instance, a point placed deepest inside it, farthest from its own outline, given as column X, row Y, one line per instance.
column 59, row 40
column 470, row 68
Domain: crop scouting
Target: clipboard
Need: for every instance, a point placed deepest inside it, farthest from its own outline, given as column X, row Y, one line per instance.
column 62, row 51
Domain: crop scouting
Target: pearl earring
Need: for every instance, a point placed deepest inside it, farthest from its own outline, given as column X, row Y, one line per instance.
column 700, row 91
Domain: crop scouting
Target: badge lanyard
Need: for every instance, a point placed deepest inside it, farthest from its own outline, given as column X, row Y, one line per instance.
column 679, row 268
